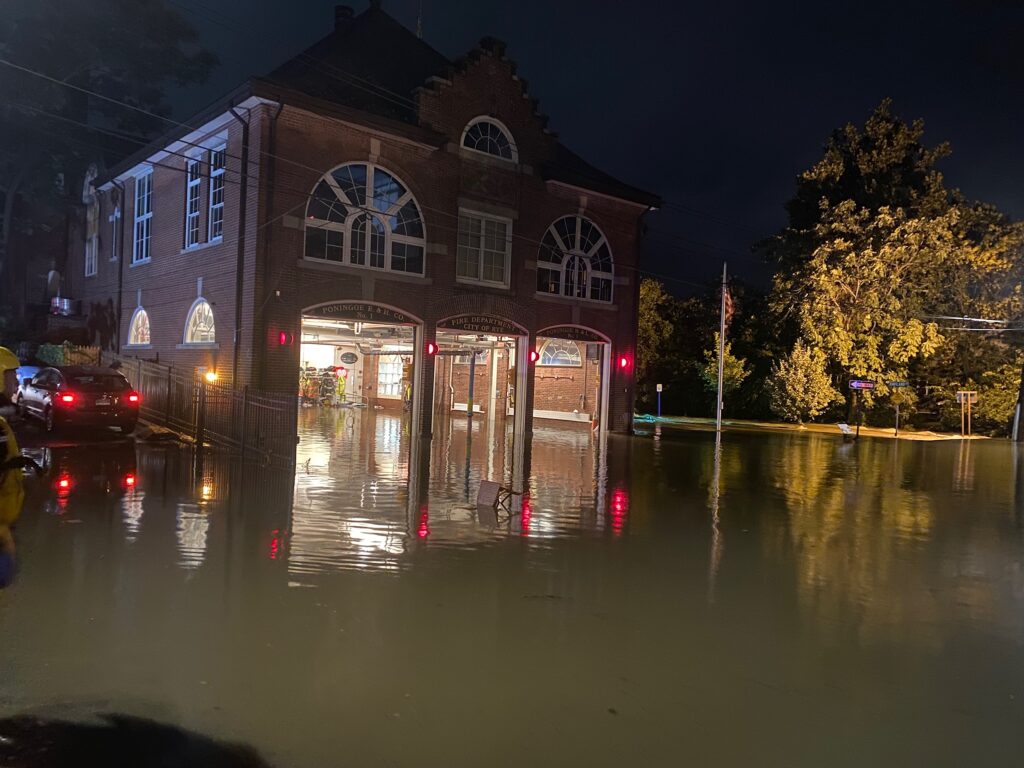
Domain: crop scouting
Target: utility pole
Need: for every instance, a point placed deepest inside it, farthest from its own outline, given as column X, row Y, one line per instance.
column 721, row 354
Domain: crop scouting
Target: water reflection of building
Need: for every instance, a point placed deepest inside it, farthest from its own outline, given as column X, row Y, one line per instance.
column 353, row 509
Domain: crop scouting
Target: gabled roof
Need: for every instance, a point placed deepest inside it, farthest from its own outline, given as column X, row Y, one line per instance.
column 371, row 67
column 370, row 62
column 569, row 168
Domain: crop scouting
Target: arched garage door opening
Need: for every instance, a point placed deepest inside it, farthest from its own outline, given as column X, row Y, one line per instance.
column 358, row 389
column 571, row 378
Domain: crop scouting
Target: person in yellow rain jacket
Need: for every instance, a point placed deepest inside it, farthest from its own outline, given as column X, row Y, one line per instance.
column 12, row 492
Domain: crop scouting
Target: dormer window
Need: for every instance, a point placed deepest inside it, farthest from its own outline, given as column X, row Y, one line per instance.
column 488, row 136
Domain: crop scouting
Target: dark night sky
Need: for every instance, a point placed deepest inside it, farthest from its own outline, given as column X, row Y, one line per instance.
column 714, row 106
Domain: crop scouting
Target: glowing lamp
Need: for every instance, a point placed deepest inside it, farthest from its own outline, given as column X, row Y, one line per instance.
column 211, row 376
column 534, row 355
column 431, row 349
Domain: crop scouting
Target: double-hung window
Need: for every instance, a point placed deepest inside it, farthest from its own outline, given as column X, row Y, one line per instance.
column 484, row 245
column 216, row 216
column 193, row 177
column 143, row 217
column 91, row 246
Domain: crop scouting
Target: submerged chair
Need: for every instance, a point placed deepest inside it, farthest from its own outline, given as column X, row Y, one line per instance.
column 492, row 498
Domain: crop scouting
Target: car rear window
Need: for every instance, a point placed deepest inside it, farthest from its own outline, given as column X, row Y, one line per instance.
column 100, row 383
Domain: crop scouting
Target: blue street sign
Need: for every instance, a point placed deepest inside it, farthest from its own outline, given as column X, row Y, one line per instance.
column 860, row 384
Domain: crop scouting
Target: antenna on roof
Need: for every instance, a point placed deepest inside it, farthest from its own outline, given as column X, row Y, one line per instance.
column 419, row 22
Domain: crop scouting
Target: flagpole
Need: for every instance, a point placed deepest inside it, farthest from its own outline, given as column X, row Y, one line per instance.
column 721, row 355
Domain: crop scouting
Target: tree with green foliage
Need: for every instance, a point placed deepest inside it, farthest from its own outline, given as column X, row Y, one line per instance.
column 878, row 248
column 654, row 327
column 51, row 129
column 799, row 388
column 734, row 369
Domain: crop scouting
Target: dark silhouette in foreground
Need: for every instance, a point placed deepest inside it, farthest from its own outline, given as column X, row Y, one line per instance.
column 114, row 741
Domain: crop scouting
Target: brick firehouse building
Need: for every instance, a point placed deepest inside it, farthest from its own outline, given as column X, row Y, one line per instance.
column 407, row 218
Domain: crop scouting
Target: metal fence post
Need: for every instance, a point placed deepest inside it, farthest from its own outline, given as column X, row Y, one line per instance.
column 200, row 413
column 167, row 405
column 245, row 418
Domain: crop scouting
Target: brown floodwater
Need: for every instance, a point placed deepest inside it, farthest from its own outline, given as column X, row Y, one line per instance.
column 787, row 600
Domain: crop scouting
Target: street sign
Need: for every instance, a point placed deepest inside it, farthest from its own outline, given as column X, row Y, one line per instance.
column 860, row 384
column 967, row 396
column 659, row 387
column 897, row 384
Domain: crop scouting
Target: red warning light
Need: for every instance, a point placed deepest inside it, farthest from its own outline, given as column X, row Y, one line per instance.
column 534, row 355
column 129, row 481
column 285, row 339
column 431, row 348
column 623, row 362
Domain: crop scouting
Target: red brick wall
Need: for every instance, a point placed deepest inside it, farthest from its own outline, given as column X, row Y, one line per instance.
column 278, row 284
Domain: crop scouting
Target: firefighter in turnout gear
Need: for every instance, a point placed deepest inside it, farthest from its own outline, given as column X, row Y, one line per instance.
column 12, row 492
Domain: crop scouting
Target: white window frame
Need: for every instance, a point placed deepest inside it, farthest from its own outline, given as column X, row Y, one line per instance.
column 504, row 129
column 575, row 253
column 355, row 212
column 193, row 193
column 580, row 354
column 385, row 363
column 216, row 178
column 143, row 221
column 92, row 245
column 185, row 341
column 131, row 329
column 115, row 221
column 480, row 279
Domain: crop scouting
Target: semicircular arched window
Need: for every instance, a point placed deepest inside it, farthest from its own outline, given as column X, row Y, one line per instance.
column 200, row 328
column 575, row 261
column 138, row 329
column 490, row 137
column 560, row 353
column 361, row 215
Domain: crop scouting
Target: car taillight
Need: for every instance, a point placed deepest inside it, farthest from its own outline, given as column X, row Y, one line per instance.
column 133, row 398
column 67, row 398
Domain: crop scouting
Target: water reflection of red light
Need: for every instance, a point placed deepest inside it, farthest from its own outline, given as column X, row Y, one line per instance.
column 423, row 529
column 275, row 543
column 527, row 513
column 620, row 508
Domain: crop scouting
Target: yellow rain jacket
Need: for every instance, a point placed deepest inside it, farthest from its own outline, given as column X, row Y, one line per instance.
column 12, row 490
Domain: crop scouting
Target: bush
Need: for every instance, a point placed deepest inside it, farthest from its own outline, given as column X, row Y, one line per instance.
column 51, row 354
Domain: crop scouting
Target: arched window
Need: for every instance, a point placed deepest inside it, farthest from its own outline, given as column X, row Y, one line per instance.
column 199, row 329
column 575, row 261
column 362, row 215
column 138, row 329
column 490, row 137
column 560, row 353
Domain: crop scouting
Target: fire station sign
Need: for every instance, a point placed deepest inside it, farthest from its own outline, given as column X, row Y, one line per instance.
column 358, row 310
column 571, row 333
column 481, row 324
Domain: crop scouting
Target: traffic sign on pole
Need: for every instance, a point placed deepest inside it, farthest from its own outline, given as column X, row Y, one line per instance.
column 861, row 384
column 897, row 384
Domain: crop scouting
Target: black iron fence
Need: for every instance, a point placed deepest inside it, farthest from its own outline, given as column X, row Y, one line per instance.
column 257, row 425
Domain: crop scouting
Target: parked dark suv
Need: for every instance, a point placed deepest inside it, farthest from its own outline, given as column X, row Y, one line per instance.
column 80, row 395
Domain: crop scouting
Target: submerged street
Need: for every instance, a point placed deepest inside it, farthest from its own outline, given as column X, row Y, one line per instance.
column 830, row 604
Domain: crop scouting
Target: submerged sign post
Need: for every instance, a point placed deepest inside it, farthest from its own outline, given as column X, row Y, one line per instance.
column 857, row 385
column 966, row 398
column 659, row 401
column 897, row 399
